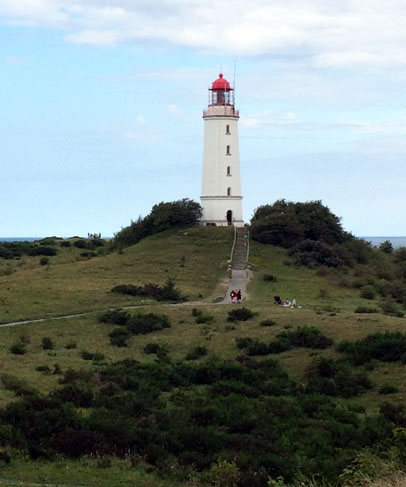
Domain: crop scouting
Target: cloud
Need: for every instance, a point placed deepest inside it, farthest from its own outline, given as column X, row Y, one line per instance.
column 339, row 34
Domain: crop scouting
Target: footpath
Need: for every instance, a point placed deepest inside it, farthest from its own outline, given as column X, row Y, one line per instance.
column 238, row 280
column 239, row 271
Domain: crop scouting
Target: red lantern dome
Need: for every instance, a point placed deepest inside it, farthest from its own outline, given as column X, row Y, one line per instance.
column 221, row 84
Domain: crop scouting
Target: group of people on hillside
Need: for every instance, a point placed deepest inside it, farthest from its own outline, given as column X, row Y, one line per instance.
column 236, row 294
column 285, row 303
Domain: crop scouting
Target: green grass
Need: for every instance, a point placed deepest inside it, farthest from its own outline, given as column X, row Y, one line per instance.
column 89, row 471
column 72, row 284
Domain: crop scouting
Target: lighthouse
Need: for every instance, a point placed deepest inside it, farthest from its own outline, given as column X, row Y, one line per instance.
column 221, row 198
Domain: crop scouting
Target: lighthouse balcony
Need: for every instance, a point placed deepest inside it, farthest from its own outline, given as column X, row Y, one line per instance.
column 221, row 111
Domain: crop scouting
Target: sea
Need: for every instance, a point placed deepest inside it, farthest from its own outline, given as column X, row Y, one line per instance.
column 375, row 241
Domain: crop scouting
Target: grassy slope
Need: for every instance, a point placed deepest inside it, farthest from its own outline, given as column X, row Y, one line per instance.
column 147, row 261
column 71, row 284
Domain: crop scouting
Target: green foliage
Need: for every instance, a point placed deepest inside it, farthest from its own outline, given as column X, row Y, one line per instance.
column 119, row 336
column 14, row 250
column 96, row 357
column 388, row 389
column 168, row 292
column 47, row 343
column 18, row 386
column 196, row 353
column 240, row 314
column 141, row 324
column 65, row 243
column 365, row 309
column 44, row 261
column 386, row 247
column 268, row 323
column 368, row 292
column 224, row 474
column 18, row 348
column 269, row 278
column 181, row 213
column 204, row 318
column 286, row 223
column 400, row 254
column 115, row 317
column 387, row 347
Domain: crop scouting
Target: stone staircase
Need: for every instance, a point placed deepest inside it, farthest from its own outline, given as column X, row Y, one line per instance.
column 239, row 260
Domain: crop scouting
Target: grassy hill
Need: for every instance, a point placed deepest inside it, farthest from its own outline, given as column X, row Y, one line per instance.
column 196, row 258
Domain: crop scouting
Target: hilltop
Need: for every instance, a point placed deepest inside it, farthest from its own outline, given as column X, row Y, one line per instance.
column 205, row 376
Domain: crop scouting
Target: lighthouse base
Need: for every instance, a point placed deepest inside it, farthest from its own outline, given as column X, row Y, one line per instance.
column 222, row 211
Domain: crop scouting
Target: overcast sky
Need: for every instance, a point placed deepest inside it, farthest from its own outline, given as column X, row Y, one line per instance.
column 101, row 104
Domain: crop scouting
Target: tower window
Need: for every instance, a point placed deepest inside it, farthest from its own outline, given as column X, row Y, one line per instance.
column 228, row 171
column 227, row 129
column 228, row 191
column 228, row 151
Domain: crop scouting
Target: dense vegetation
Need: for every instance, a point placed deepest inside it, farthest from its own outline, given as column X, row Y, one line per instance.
column 181, row 213
column 183, row 417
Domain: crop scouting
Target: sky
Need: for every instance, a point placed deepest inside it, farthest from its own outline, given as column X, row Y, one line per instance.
column 101, row 108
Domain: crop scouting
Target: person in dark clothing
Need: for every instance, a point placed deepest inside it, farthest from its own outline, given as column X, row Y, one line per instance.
column 239, row 296
column 277, row 300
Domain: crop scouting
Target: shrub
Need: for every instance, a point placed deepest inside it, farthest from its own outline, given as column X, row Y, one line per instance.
column 305, row 336
column 97, row 356
column 196, row 353
column 18, row 348
column 47, row 343
column 115, row 317
column 368, row 292
column 80, row 244
column 365, row 309
column 88, row 255
column 167, row 292
column 18, row 386
column 119, row 336
column 224, row 474
column 153, row 348
column 43, row 368
column 5, row 458
column 163, row 216
column 387, row 347
column 243, row 342
column 70, row 345
column 240, row 314
column 388, row 389
column 196, row 312
column 269, row 278
column 141, row 324
column 37, row 250
column 400, row 254
column 268, row 323
column 65, row 243
column 202, row 318
column 44, row 261
column 386, row 247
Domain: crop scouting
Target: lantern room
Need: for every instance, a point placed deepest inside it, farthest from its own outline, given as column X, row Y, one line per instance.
column 221, row 92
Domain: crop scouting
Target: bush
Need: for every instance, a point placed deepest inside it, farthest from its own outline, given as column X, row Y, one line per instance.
column 44, row 261
column 18, row 348
column 269, row 278
column 268, row 323
column 167, row 292
column 115, row 317
column 18, row 386
column 368, row 292
column 37, row 250
column 119, row 336
column 305, row 336
column 387, row 347
column 202, row 318
column 65, row 243
column 153, row 348
column 96, row 357
column 240, row 314
column 196, row 353
column 141, row 324
column 70, row 345
column 365, row 309
column 386, row 247
column 163, row 216
column 43, row 368
column 47, row 343
column 388, row 389
column 80, row 244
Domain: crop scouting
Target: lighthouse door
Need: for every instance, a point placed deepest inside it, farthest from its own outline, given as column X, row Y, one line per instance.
column 229, row 217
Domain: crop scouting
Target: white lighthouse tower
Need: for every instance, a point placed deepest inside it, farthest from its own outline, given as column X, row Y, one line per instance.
column 221, row 198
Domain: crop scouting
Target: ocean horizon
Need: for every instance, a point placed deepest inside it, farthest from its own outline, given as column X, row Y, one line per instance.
column 374, row 240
